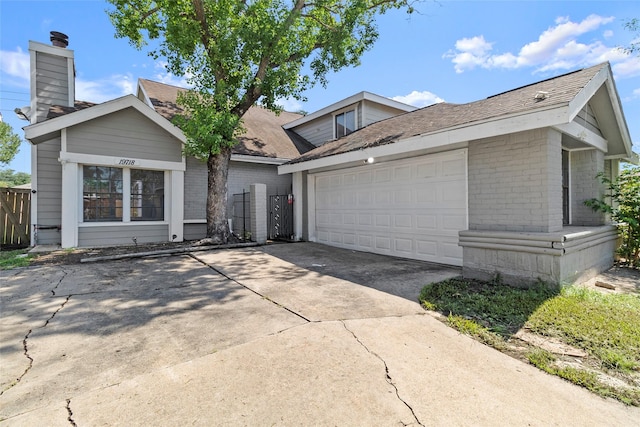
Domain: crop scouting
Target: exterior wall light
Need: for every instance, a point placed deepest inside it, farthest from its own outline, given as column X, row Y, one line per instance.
column 369, row 161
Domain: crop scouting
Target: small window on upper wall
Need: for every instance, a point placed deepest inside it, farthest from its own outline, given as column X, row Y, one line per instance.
column 345, row 123
column 147, row 195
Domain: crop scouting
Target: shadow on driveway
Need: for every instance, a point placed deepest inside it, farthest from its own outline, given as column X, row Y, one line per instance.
column 396, row 276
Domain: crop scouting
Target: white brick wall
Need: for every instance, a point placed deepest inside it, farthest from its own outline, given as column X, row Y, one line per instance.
column 515, row 182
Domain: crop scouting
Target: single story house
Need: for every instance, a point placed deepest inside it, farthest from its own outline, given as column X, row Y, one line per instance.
column 114, row 173
column 496, row 186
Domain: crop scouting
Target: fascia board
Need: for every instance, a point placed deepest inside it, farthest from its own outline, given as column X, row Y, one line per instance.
column 141, row 90
column 326, row 110
column 258, row 159
column 75, row 118
column 51, row 50
column 587, row 92
column 585, row 135
column 549, row 117
column 620, row 119
column 347, row 102
column 604, row 76
column 388, row 102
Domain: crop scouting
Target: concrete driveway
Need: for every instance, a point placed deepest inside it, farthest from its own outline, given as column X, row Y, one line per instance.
column 279, row 335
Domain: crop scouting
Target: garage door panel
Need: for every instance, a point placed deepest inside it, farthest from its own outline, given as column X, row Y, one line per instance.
column 403, row 220
column 454, row 222
column 411, row 208
column 426, row 222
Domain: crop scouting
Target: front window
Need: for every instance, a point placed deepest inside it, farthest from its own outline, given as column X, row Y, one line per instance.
column 115, row 194
column 345, row 123
column 102, row 193
column 147, row 195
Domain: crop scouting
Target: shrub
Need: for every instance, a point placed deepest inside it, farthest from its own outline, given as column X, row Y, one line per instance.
column 625, row 211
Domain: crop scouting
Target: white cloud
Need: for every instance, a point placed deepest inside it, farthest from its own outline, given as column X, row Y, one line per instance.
column 556, row 48
column 164, row 76
column 290, row 104
column 105, row 89
column 629, row 67
column 15, row 67
column 419, row 99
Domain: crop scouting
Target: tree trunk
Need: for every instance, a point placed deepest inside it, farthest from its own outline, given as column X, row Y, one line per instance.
column 217, row 168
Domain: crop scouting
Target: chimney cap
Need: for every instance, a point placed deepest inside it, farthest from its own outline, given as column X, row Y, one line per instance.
column 59, row 39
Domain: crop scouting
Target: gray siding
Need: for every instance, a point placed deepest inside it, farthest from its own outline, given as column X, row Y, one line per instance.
column 49, row 191
column 195, row 189
column 374, row 112
column 126, row 133
column 120, row 234
column 194, row 231
column 515, row 182
column 317, row 131
column 585, row 165
column 587, row 119
column 52, row 82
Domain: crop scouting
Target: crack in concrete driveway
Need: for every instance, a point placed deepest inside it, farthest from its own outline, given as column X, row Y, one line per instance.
column 258, row 336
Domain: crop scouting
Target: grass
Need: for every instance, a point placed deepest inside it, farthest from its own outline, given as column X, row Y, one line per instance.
column 605, row 326
column 13, row 259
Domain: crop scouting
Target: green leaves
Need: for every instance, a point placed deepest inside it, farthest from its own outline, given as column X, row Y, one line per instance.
column 625, row 210
column 9, row 143
column 235, row 53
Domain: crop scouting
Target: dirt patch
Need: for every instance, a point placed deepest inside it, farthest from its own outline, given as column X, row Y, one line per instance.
column 618, row 279
column 74, row 256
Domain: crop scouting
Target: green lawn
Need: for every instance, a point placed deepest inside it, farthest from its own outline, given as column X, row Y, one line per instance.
column 605, row 326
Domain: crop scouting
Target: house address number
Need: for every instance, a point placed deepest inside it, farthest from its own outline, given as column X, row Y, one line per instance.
column 127, row 162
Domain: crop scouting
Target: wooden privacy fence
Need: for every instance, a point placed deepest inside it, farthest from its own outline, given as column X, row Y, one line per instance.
column 15, row 217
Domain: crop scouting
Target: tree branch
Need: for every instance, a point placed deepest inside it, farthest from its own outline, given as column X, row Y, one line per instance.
column 254, row 91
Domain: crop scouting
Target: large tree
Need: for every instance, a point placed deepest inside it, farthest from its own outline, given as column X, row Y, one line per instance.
column 235, row 53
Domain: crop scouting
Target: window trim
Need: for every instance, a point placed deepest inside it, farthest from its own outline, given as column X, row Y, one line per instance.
column 335, row 114
column 126, row 198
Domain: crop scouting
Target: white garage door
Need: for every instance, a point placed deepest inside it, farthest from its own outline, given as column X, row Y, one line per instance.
column 411, row 208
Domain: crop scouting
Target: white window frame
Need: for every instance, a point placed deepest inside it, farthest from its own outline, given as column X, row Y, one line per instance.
column 335, row 114
column 126, row 198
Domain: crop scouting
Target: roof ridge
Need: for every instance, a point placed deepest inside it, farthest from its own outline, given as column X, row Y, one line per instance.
column 600, row 65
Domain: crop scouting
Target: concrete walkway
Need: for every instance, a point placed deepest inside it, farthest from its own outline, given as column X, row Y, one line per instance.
column 248, row 337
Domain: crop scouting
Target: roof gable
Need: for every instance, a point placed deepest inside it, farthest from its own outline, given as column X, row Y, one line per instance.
column 65, row 117
column 336, row 106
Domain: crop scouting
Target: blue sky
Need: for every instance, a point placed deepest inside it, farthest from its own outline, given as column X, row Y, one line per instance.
column 453, row 51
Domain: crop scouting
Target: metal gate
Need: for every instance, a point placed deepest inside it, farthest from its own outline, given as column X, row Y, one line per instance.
column 281, row 217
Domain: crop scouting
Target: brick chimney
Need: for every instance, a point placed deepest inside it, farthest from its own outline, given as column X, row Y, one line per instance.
column 52, row 75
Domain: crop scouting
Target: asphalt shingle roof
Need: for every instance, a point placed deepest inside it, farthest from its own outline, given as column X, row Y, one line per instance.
column 439, row 117
column 263, row 136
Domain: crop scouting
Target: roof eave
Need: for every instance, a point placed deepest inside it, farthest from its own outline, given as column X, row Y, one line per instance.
column 556, row 115
column 349, row 101
column 245, row 158
column 35, row 132
column 604, row 77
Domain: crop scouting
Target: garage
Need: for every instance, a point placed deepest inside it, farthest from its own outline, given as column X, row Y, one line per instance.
column 411, row 208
